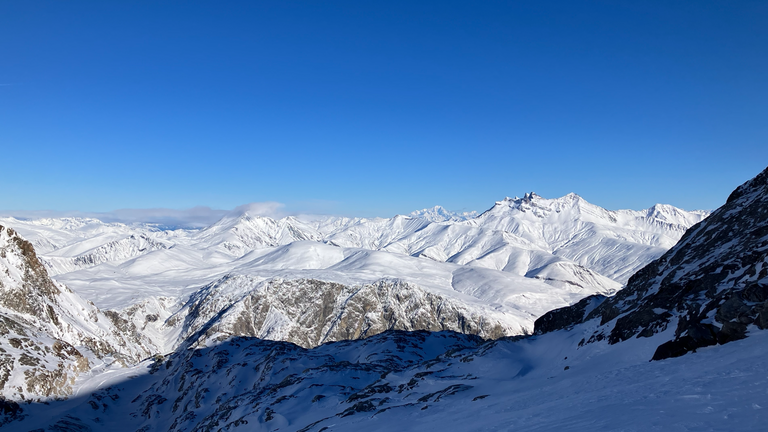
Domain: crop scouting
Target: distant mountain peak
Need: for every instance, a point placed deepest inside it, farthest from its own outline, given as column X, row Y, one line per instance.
column 440, row 214
column 530, row 196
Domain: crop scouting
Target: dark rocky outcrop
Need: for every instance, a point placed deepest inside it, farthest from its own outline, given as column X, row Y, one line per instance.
column 310, row 312
column 566, row 317
column 712, row 286
column 9, row 411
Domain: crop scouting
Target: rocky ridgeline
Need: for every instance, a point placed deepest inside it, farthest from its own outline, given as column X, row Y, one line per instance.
column 311, row 312
column 712, row 287
column 49, row 335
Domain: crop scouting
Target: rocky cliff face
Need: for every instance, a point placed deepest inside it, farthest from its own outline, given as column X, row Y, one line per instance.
column 48, row 335
column 310, row 312
column 711, row 288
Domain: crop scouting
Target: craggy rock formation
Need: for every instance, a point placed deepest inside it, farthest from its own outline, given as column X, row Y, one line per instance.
column 310, row 312
column 712, row 287
column 48, row 333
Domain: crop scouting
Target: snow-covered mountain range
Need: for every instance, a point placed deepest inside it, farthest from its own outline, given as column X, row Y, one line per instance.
column 491, row 274
column 586, row 368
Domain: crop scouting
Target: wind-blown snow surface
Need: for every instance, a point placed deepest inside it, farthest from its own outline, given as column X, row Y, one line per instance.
column 519, row 259
column 419, row 381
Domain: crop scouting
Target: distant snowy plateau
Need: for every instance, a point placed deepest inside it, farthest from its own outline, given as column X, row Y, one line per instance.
column 538, row 314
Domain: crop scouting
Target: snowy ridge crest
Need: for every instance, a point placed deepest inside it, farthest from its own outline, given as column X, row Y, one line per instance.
column 439, row 214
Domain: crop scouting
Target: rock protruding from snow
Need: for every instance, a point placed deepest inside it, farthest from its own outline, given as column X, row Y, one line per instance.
column 418, row 381
column 711, row 287
column 311, row 312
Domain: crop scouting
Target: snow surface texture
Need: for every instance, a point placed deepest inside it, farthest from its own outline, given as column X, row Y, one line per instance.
column 421, row 381
column 519, row 259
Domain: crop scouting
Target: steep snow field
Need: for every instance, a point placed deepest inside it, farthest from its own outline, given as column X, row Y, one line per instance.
column 538, row 384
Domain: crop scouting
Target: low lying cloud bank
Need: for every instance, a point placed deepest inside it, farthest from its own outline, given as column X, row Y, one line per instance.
column 196, row 217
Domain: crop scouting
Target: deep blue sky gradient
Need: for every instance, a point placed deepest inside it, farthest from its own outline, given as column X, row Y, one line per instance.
column 375, row 108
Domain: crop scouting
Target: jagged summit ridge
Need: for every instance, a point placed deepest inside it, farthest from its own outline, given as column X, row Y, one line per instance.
column 398, row 378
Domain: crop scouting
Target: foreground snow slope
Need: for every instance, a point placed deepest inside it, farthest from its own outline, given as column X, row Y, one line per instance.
column 418, row 381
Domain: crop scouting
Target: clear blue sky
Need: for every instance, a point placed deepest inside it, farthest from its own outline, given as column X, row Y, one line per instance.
column 376, row 108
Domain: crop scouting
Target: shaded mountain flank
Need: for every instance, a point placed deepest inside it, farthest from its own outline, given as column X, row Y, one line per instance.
column 711, row 288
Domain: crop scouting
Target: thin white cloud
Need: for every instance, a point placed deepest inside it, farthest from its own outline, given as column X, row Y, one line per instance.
column 196, row 217
column 268, row 208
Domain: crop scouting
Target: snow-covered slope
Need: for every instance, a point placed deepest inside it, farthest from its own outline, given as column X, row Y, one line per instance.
column 421, row 381
column 48, row 334
column 586, row 368
column 611, row 243
column 239, row 233
column 711, row 288
column 440, row 214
